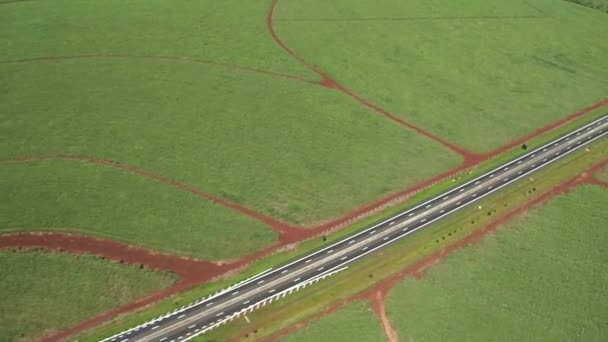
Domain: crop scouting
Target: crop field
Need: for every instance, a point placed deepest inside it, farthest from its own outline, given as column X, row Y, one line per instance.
column 543, row 277
column 77, row 197
column 353, row 322
column 207, row 138
column 39, row 291
column 478, row 73
column 601, row 5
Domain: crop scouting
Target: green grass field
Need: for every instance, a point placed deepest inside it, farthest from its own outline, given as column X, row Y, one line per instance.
column 295, row 151
column 542, row 277
column 353, row 322
column 601, row 5
column 73, row 196
column 478, row 73
column 39, row 292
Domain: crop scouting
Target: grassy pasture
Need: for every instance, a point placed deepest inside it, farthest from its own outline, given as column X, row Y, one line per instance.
column 541, row 278
column 42, row 291
column 73, row 196
column 601, row 5
column 479, row 73
column 293, row 151
column 353, row 322
column 229, row 31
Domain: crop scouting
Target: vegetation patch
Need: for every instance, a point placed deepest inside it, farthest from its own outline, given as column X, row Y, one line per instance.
column 45, row 291
column 99, row 200
column 353, row 322
column 295, row 152
column 469, row 71
column 601, row 5
column 541, row 278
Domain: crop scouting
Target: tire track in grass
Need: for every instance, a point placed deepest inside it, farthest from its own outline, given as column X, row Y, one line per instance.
column 169, row 59
column 376, row 294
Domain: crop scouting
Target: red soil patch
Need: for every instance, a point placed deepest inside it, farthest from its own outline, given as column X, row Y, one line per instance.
column 378, row 305
column 190, row 270
column 173, row 59
column 377, row 293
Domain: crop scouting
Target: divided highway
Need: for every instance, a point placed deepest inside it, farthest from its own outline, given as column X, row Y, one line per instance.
column 196, row 319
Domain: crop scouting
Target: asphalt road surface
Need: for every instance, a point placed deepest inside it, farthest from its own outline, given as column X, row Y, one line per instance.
column 188, row 322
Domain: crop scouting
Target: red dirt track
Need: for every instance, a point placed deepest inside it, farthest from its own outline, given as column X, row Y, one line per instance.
column 194, row 272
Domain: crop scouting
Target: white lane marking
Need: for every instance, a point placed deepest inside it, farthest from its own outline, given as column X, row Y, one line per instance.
column 428, row 206
column 404, row 229
column 192, row 326
column 506, row 179
column 296, row 280
column 386, row 238
column 343, row 258
column 490, row 187
column 271, row 291
column 187, row 334
column 364, row 248
column 208, row 304
column 532, row 156
column 569, row 147
column 461, row 190
column 392, row 223
column 545, row 149
column 219, row 314
column 197, row 330
column 330, row 251
column 180, row 316
column 533, row 166
column 519, row 162
column 284, row 271
column 423, row 220
column 519, row 173
column 372, row 232
column 261, row 281
column 320, row 268
column 246, row 302
column 506, row 168
column 545, row 159
column 179, row 338
column 351, row 241
column 442, row 211
column 410, row 215
column 492, row 175
column 474, row 195
column 307, row 261
column 578, row 133
column 477, row 182
column 459, row 203
column 235, row 293
column 446, row 197
column 162, row 339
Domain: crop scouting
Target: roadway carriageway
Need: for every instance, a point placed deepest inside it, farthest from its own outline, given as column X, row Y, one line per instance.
column 190, row 321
